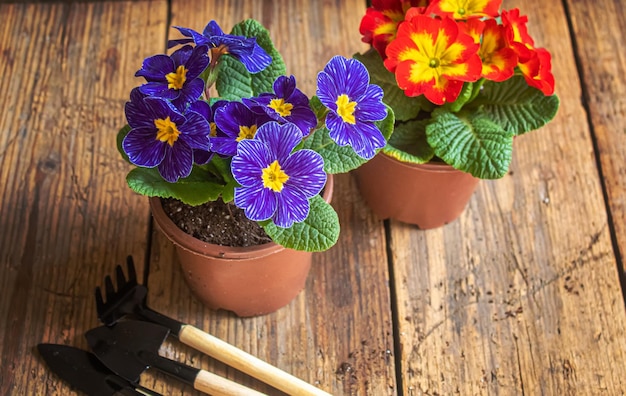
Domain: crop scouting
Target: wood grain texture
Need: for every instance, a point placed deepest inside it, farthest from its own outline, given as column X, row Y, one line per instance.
column 599, row 29
column 66, row 214
column 337, row 334
column 521, row 294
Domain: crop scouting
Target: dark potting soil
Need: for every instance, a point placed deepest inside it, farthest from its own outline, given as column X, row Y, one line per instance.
column 215, row 222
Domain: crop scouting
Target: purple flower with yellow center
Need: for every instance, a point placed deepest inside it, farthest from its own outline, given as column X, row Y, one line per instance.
column 245, row 49
column 355, row 104
column 236, row 122
column 175, row 77
column 162, row 137
column 286, row 104
column 276, row 183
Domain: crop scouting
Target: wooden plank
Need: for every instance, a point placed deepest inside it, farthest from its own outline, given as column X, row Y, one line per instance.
column 599, row 27
column 66, row 214
column 337, row 334
column 521, row 294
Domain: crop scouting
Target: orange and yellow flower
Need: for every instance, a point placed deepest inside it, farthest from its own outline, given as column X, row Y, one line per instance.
column 498, row 59
column 465, row 9
column 380, row 23
column 534, row 63
column 433, row 57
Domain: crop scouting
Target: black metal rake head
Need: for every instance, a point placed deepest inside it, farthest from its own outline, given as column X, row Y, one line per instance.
column 128, row 298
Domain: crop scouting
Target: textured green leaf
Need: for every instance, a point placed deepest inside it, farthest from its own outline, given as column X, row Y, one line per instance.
column 234, row 81
column 471, row 142
column 317, row 233
column 338, row 159
column 120, row 138
column 195, row 189
column 408, row 143
column 404, row 107
column 234, row 72
column 515, row 106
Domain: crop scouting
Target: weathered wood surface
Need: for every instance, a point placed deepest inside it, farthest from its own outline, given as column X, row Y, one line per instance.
column 66, row 215
column 514, row 296
column 598, row 29
column 521, row 295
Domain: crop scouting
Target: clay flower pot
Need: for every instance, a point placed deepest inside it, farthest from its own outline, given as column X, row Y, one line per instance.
column 249, row 281
column 427, row 195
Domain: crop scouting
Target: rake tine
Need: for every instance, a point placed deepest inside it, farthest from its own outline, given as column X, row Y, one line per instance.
column 119, row 276
column 132, row 275
column 99, row 300
column 109, row 288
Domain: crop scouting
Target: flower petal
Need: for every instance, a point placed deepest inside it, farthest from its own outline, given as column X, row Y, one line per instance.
column 159, row 89
column 177, row 162
column 293, row 207
column 305, row 169
column 280, row 139
column 195, row 132
column 156, row 67
column 370, row 106
column 143, row 148
column 259, row 203
column 252, row 156
column 190, row 93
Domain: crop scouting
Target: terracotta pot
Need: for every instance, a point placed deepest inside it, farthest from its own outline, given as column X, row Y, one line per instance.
column 249, row 281
column 427, row 195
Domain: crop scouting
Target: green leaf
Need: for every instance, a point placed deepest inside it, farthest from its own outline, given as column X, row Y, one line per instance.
column 515, row 106
column 232, row 72
column 471, row 142
column 233, row 81
column 338, row 159
column 195, row 189
column 317, row 233
column 408, row 143
column 120, row 138
column 404, row 107
column 319, row 109
column 221, row 167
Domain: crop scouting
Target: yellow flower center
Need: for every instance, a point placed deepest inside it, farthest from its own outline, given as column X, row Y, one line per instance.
column 166, row 130
column 246, row 132
column 274, row 177
column 282, row 108
column 177, row 79
column 213, row 131
column 345, row 109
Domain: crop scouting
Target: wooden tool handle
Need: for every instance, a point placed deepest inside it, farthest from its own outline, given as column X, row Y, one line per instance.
column 218, row 386
column 246, row 363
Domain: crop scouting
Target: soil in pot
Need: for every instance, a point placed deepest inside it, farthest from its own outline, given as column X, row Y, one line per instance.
column 216, row 222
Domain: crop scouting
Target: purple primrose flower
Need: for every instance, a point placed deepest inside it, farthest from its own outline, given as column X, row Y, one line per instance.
column 343, row 87
column 246, row 50
column 236, row 122
column 286, row 104
column 175, row 77
column 276, row 183
column 162, row 136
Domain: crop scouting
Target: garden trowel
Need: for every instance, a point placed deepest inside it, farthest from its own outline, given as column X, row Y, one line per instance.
column 84, row 372
column 130, row 347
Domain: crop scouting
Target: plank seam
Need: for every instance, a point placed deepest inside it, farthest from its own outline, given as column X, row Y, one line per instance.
column 596, row 149
column 395, row 314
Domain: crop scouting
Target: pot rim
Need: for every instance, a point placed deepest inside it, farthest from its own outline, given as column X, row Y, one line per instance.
column 201, row 248
column 438, row 167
